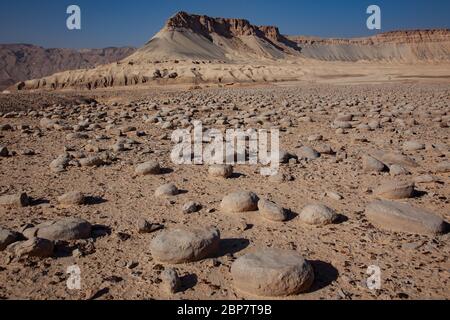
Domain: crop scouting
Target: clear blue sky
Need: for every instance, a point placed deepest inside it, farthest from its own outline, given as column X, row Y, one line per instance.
column 133, row 22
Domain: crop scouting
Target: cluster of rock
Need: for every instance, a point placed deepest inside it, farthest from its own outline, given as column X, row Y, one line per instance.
column 18, row 200
column 243, row 201
column 396, row 173
column 267, row 272
column 39, row 240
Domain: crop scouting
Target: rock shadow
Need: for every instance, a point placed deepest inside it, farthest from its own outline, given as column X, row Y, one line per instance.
column 446, row 227
column 232, row 246
column 165, row 171
column 188, row 282
column 237, row 175
column 37, row 202
column 341, row 219
column 90, row 201
column 63, row 249
column 419, row 194
column 181, row 192
column 99, row 294
column 290, row 215
column 100, row 231
column 324, row 273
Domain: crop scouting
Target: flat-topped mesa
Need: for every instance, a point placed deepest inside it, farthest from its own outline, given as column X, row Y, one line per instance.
column 397, row 37
column 226, row 27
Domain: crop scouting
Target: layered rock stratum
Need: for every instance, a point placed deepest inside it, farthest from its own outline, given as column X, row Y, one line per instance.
column 408, row 46
column 199, row 49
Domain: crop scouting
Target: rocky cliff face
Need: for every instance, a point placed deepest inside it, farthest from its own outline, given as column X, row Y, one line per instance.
column 198, row 37
column 221, row 26
column 19, row 62
column 396, row 37
column 408, row 46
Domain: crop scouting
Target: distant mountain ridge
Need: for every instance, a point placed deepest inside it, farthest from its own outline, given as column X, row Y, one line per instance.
column 408, row 46
column 399, row 36
column 19, row 62
column 190, row 36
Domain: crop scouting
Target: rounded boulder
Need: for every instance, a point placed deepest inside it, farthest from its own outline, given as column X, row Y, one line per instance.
column 272, row 273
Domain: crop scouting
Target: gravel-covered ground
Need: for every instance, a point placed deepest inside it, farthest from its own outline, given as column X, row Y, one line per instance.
column 99, row 145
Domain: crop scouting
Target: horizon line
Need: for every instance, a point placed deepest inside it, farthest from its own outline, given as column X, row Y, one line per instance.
column 286, row 35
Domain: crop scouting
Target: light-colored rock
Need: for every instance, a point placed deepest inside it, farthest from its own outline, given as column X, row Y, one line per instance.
column 119, row 147
column 395, row 190
column 390, row 158
column 315, row 137
column 74, row 198
column 413, row 146
column 191, row 207
column 65, row 229
column 60, row 164
column 167, row 190
column 398, row 170
column 185, row 245
column 46, row 123
column 370, row 164
column 77, row 136
column 148, row 168
column 93, row 161
column 426, row 178
column 318, row 215
column 324, row 149
column 307, row 153
column 334, row 195
column 400, row 217
column 285, row 157
column 344, row 117
column 271, row 211
column 171, row 282
column 281, row 178
column 144, row 226
column 443, row 167
column 239, row 202
column 34, row 247
column 220, row 171
column 27, row 152
column 374, row 124
column 363, row 126
column 342, row 125
column 127, row 129
column 272, row 273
